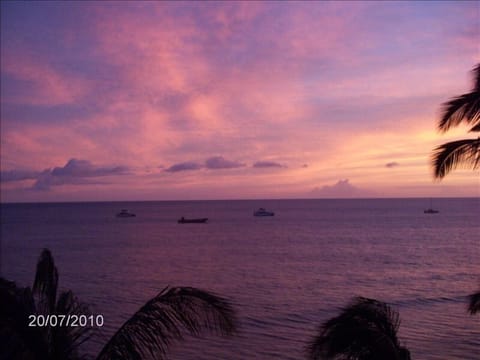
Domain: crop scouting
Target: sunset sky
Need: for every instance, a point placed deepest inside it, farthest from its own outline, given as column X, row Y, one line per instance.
column 233, row 100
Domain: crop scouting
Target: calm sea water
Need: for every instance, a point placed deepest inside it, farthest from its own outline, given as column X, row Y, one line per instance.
column 285, row 274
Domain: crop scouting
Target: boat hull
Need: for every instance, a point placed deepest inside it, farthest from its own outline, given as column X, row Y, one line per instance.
column 125, row 214
column 264, row 214
column 193, row 221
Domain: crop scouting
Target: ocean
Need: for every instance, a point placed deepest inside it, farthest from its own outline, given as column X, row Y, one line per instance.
column 285, row 274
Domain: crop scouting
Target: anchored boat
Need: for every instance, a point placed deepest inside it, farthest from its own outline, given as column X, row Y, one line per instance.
column 124, row 213
column 430, row 210
column 182, row 220
column 263, row 212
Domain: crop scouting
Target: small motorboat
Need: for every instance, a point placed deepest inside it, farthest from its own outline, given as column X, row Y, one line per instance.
column 124, row 214
column 263, row 212
column 182, row 220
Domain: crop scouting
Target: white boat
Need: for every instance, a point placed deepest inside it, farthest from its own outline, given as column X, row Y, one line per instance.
column 124, row 213
column 263, row 212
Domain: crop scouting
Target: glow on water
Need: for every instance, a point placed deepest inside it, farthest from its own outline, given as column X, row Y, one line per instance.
column 285, row 274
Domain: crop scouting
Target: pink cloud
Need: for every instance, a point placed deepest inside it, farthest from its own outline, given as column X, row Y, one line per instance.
column 341, row 189
column 312, row 83
column 47, row 85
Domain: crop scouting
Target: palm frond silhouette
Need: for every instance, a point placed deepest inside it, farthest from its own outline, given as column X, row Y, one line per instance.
column 366, row 329
column 450, row 155
column 169, row 316
column 166, row 318
column 466, row 153
column 45, row 342
column 474, row 303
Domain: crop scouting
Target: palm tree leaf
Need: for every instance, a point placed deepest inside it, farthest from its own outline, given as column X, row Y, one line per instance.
column 46, row 283
column 65, row 340
column 465, row 107
column 366, row 329
column 39, row 342
column 166, row 318
column 456, row 153
column 476, row 76
column 475, row 128
column 24, row 342
column 474, row 305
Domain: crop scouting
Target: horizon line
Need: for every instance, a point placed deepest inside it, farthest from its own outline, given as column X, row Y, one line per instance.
column 258, row 199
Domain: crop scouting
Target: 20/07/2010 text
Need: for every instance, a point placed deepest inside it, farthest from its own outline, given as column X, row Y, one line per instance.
column 54, row 320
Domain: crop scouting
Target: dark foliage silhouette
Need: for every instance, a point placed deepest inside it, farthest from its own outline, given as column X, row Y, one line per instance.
column 365, row 330
column 474, row 303
column 170, row 315
column 464, row 108
column 16, row 304
column 446, row 157
column 166, row 318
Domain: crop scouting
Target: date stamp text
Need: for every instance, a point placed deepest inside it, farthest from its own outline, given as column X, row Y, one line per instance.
column 54, row 320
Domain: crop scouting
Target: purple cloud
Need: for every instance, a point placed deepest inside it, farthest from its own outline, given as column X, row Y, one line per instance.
column 47, row 180
column 184, row 166
column 342, row 189
column 18, row 175
column 267, row 164
column 75, row 172
column 84, row 168
column 219, row 162
column 392, row 164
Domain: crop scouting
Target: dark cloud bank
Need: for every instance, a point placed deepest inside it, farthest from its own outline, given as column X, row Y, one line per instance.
column 212, row 163
column 267, row 164
column 218, row 162
column 184, row 166
column 74, row 172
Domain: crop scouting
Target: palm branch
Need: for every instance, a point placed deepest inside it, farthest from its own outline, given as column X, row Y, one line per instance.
column 475, row 128
column 45, row 283
column 46, row 342
column 462, row 108
column 453, row 154
column 66, row 340
column 24, row 342
column 474, row 305
column 166, row 318
column 365, row 330
column 465, row 107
